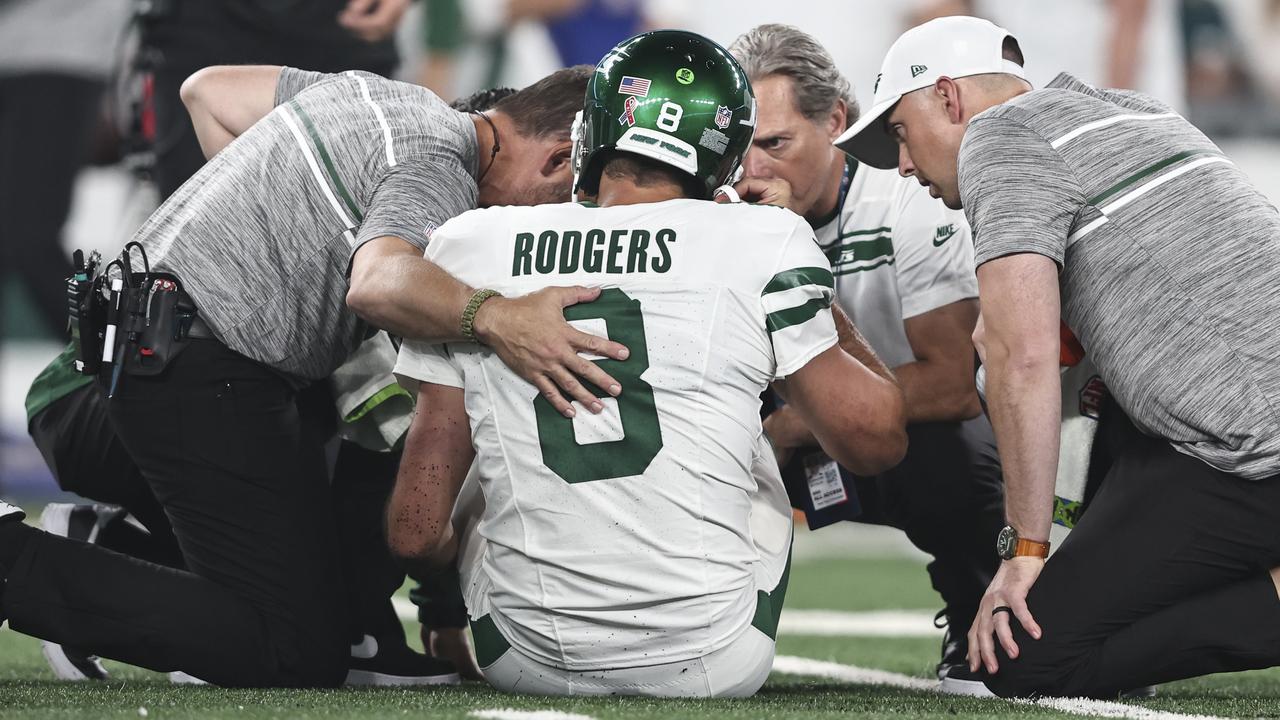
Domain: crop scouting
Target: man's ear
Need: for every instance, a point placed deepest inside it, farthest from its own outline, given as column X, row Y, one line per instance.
column 949, row 92
column 837, row 120
column 559, row 155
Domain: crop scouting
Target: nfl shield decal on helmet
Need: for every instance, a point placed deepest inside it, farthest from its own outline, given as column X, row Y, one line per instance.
column 723, row 115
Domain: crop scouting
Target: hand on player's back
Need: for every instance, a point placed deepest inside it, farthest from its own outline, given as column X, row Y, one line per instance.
column 531, row 336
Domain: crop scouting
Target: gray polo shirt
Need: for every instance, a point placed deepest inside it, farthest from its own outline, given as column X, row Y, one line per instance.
column 263, row 235
column 1169, row 257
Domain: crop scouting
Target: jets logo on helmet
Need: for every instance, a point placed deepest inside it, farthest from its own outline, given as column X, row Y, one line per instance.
column 672, row 96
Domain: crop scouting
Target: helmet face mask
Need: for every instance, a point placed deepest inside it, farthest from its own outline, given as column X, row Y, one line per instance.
column 672, row 96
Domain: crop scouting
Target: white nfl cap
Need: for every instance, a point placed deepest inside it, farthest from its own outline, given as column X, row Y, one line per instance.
column 952, row 47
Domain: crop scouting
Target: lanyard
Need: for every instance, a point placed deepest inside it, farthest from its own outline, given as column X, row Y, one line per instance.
column 845, row 181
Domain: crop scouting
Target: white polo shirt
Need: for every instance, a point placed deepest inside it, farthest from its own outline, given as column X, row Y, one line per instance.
column 896, row 253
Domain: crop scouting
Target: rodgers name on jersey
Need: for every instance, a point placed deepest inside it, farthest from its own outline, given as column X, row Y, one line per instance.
column 625, row 538
column 617, row 251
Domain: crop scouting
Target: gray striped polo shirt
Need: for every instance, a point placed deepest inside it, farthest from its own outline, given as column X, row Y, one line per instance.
column 1169, row 257
column 262, row 236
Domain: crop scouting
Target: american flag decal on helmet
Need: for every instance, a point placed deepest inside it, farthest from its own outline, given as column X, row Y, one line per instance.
column 633, row 86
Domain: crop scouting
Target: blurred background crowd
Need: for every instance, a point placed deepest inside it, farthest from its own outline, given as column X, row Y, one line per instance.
column 93, row 136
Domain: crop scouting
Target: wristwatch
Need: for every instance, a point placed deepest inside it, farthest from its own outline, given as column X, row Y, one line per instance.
column 1010, row 546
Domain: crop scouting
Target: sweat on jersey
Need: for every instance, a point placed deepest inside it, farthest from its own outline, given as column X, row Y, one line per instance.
column 262, row 236
column 623, row 539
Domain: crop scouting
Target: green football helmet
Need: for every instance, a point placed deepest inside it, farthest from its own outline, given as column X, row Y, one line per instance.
column 672, row 96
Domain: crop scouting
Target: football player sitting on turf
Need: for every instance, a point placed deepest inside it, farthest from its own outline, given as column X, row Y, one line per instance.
column 634, row 552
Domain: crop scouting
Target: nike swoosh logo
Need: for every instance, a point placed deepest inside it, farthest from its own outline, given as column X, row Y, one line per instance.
column 939, row 242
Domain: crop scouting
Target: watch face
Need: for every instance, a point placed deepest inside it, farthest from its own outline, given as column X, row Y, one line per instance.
column 1006, row 542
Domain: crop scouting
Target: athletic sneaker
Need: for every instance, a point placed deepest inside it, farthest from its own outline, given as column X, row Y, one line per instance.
column 77, row 522
column 960, row 681
column 12, row 512
column 955, row 647
column 8, row 513
column 394, row 663
column 177, row 677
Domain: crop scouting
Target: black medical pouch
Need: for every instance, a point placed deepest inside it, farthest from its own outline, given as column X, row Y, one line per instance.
column 155, row 323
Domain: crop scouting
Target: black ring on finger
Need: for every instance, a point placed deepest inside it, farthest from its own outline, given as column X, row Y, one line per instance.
column 1001, row 609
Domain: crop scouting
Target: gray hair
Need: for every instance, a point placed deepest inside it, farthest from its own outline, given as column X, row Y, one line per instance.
column 776, row 49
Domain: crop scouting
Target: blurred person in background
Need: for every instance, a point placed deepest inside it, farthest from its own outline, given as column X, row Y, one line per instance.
column 186, row 35
column 487, row 43
column 1233, row 75
column 1138, row 47
column 904, row 274
column 55, row 58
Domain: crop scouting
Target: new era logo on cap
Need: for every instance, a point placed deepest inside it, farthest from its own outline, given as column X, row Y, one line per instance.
column 954, row 47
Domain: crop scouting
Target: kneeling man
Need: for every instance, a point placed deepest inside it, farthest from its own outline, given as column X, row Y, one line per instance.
column 643, row 550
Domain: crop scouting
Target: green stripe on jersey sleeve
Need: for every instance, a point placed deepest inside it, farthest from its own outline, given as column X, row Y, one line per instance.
column 800, row 314
column 797, row 277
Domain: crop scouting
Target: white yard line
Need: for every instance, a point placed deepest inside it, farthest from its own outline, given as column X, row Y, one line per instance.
column 879, row 623
column 792, row 665
column 509, row 714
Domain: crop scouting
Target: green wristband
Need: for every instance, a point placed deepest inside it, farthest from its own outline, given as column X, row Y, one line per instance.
column 469, row 314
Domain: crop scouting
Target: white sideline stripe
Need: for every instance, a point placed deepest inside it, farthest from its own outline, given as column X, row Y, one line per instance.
column 791, row 665
column 1082, row 706
column 1087, row 127
column 287, row 114
column 510, row 714
column 880, row 623
column 377, row 112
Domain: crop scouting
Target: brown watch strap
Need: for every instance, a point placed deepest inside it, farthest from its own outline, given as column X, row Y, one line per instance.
column 1031, row 548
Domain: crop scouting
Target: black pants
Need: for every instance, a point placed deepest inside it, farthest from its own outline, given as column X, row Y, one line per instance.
column 219, row 441
column 1165, row 577
column 80, row 446
column 46, row 124
column 947, row 494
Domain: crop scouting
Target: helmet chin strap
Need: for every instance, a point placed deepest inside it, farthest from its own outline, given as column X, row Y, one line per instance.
column 727, row 191
column 575, row 136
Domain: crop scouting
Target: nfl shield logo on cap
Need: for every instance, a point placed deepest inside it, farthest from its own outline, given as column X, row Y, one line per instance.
column 723, row 115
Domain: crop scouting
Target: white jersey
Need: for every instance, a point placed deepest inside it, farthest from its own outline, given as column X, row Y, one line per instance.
column 624, row 539
column 896, row 252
